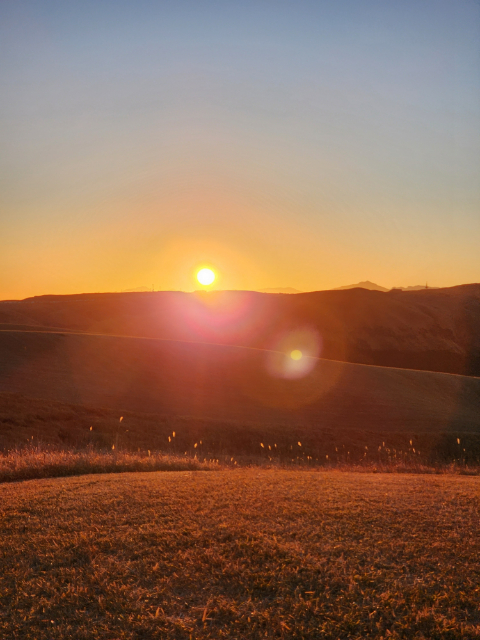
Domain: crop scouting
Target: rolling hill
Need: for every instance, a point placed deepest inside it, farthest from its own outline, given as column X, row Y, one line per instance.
column 230, row 387
column 429, row 329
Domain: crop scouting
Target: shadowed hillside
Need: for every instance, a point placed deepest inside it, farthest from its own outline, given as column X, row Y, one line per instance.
column 433, row 329
column 231, row 383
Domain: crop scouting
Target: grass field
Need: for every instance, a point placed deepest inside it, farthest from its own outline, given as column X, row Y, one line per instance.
column 33, row 463
column 254, row 532
column 37, row 435
column 240, row 554
column 42, row 462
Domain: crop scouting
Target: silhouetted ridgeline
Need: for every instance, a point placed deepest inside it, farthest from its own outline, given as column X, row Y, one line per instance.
column 432, row 329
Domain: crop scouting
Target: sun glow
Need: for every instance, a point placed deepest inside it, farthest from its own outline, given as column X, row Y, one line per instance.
column 296, row 354
column 205, row 276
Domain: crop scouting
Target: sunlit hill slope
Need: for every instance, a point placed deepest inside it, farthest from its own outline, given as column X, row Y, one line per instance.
column 223, row 394
column 432, row 329
column 220, row 364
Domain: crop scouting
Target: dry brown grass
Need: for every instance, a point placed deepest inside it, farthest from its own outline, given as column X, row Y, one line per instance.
column 240, row 554
column 32, row 463
column 38, row 425
column 41, row 462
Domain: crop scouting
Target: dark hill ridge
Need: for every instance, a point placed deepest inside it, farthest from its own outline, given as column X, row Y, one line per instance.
column 429, row 329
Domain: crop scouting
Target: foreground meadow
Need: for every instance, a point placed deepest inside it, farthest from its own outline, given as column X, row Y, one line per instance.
column 243, row 553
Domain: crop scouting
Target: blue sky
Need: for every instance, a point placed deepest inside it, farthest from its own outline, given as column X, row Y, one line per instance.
column 303, row 144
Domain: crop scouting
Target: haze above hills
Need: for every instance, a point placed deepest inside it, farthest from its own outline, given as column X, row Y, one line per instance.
column 371, row 286
column 365, row 284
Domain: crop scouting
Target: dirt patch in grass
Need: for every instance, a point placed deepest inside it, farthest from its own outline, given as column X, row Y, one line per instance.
column 240, row 554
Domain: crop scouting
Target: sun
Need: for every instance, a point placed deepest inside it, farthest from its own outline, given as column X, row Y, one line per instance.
column 296, row 354
column 205, row 276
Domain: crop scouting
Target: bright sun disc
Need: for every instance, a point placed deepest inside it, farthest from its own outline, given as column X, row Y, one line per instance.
column 205, row 276
column 296, row 354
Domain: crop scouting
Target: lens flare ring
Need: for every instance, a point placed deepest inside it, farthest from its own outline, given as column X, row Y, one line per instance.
column 294, row 354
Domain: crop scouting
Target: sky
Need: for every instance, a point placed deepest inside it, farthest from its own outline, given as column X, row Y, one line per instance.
column 305, row 144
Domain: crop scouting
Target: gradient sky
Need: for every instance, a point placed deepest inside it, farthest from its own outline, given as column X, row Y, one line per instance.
column 296, row 144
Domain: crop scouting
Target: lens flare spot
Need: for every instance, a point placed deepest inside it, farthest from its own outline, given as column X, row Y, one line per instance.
column 294, row 354
column 205, row 276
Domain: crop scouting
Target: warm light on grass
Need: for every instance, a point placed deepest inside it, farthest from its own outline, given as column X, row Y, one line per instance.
column 30, row 463
column 205, row 276
column 278, row 554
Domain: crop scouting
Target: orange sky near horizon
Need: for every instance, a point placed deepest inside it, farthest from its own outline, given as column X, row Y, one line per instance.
column 308, row 146
column 257, row 249
column 263, row 245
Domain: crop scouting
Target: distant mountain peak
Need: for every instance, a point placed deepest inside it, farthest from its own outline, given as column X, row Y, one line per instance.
column 365, row 284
